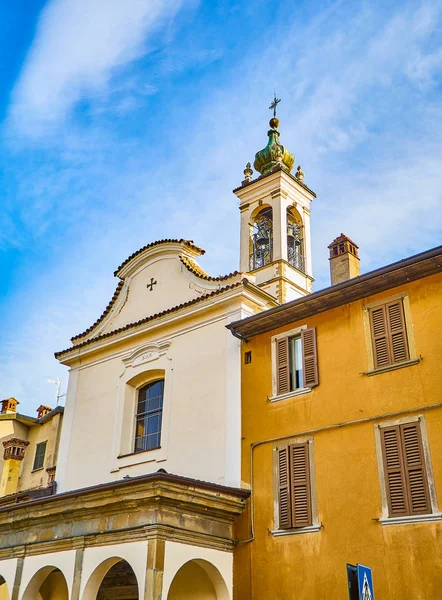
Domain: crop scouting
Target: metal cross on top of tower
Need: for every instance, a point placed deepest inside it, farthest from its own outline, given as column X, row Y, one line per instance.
column 274, row 104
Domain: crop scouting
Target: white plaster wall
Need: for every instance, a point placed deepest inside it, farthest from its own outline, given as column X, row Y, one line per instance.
column 134, row 553
column 177, row 555
column 7, row 571
column 65, row 561
column 232, row 475
column 201, row 424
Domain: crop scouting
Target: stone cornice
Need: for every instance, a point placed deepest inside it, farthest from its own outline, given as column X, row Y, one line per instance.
column 162, row 505
column 256, row 185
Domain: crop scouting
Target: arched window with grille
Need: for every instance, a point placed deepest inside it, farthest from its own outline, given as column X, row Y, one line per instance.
column 149, row 416
column 295, row 242
column 261, row 239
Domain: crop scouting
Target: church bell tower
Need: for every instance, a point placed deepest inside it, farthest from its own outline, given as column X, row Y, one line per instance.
column 275, row 221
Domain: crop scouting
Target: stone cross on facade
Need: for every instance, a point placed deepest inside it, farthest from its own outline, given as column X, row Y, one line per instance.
column 151, row 284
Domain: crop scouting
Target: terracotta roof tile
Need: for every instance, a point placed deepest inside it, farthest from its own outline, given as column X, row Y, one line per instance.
column 194, row 268
column 121, row 283
column 157, row 243
column 342, row 238
column 243, row 281
column 104, row 314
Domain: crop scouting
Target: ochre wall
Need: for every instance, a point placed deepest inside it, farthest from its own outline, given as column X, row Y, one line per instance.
column 10, row 428
column 406, row 559
column 9, row 477
column 48, row 431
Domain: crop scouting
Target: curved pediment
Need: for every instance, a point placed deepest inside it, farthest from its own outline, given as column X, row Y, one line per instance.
column 158, row 277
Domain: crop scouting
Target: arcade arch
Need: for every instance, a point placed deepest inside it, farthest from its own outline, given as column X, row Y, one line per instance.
column 48, row 583
column 200, row 580
column 113, row 578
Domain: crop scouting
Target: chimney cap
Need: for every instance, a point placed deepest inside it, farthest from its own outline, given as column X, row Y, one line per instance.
column 342, row 238
column 15, row 442
column 43, row 410
column 9, row 404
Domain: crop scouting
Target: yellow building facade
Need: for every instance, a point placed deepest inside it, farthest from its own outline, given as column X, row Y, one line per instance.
column 29, row 451
column 342, row 438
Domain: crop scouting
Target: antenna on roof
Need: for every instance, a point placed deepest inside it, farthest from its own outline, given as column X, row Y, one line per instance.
column 57, row 383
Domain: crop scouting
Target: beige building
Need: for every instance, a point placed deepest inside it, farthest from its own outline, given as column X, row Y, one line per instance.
column 30, row 450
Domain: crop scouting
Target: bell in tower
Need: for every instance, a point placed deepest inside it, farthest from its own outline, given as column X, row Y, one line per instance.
column 261, row 239
column 275, row 220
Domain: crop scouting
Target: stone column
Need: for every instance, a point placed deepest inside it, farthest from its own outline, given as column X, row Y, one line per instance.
column 155, row 569
column 78, row 569
column 17, row 578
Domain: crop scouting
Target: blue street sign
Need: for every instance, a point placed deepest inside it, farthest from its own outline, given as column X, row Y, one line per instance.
column 365, row 583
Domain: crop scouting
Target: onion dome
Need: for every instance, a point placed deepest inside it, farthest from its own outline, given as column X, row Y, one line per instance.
column 274, row 154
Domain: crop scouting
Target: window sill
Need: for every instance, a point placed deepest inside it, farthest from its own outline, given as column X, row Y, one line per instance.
column 288, row 395
column 411, row 519
column 139, row 452
column 39, row 469
column 309, row 529
column 406, row 363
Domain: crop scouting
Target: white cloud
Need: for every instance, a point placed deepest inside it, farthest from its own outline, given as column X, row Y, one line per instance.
column 78, row 46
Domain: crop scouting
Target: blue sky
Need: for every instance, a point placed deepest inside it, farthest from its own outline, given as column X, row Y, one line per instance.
column 125, row 122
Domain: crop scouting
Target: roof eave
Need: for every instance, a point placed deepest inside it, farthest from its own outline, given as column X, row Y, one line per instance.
column 409, row 269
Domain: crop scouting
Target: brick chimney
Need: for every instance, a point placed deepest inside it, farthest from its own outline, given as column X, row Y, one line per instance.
column 9, row 405
column 43, row 410
column 344, row 259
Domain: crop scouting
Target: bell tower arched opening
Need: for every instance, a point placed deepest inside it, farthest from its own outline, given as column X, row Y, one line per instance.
column 295, row 240
column 261, row 239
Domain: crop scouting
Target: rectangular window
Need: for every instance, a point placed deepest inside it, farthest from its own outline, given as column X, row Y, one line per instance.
column 39, row 458
column 405, row 470
column 297, row 362
column 294, row 489
column 389, row 334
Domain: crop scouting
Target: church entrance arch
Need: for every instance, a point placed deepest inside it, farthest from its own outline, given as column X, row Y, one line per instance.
column 48, row 583
column 200, row 580
column 4, row 592
column 113, row 578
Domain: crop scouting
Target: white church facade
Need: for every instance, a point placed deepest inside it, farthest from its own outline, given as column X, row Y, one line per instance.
column 149, row 465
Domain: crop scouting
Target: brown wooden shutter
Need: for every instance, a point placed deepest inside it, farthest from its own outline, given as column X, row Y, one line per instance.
column 285, row 519
column 415, row 471
column 300, row 485
column 397, row 331
column 380, row 337
column 282, row 365
column 394, row 472
column 309, row 357
column 405, row 471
